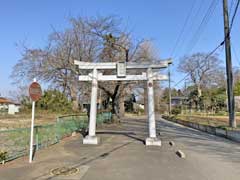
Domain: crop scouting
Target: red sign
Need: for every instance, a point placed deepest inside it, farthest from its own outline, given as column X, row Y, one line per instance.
column 35, row 91
column 150, row 84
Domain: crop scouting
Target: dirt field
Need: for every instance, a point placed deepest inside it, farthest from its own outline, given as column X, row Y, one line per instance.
column 24, row 120
column 209, row 120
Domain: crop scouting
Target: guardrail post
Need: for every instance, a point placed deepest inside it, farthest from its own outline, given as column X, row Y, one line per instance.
column 36, row 137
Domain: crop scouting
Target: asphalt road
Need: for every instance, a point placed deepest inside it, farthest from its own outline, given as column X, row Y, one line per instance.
column 122, row 155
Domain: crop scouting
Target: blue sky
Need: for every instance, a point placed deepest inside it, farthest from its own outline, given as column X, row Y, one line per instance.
column 31, row 21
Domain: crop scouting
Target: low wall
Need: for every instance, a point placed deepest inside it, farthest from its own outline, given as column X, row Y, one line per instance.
column 233, row 135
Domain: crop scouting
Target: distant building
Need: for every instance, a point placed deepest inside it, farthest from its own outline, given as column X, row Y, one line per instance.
column 237, row 103
column 8, row 106
column 178, row 100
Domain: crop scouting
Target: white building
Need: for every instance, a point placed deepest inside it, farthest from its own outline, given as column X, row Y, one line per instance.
column 8, row 106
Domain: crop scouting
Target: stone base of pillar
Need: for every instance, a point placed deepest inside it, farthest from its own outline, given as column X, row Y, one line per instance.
column 153, row 142
column 91, row 140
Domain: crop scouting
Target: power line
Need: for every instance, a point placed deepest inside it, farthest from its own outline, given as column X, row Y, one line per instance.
column 234, row 15
column 235, row 53
column 231, row 25
column 221, row 44
column 212, row 52
column 202, row 25
column 183, row 28
column 231, row 6
column 198, row 10
column 181, row 80
column 196, row 14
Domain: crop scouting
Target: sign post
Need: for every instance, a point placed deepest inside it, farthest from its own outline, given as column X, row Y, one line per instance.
column 35, row 93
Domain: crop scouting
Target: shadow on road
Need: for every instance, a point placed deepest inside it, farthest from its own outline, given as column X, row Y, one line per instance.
column 131, row 135
column 191, row 139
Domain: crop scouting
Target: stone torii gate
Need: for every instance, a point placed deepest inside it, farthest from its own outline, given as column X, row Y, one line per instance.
column 121, row 67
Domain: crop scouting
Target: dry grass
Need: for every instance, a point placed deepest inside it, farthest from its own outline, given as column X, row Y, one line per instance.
column 209, row 120
column 24, row 120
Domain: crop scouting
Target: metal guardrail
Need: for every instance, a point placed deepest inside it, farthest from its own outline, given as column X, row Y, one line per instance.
column 16, row 142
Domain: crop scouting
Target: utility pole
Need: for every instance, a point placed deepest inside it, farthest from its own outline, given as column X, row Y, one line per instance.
column 231, row 104
column 169, row 92
column 185, row 95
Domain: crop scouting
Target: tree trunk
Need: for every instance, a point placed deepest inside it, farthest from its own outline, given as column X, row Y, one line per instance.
column 121, row 107
column 115, row 110
column 114, row 106
column 75, row 106
column 74, row 98
column 145, row 99
column 199, row 97
column 115, row 101
column 121, row 101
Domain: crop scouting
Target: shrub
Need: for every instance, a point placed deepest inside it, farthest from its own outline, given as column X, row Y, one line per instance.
column 175, row 111
column 54, row 101
column 3, row 156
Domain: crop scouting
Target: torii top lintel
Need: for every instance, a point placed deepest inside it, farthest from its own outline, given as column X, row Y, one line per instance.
column 129, row 65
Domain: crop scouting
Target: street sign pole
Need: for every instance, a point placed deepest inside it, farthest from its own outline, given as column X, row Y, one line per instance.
column 32, row 130
column 35, row 93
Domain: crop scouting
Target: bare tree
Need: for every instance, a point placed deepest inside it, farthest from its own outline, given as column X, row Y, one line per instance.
column 54, row 63
column 146, row 53
column 97, row 39
column 204, row 70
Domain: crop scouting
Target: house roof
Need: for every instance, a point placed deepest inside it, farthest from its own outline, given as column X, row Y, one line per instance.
column 6, row 101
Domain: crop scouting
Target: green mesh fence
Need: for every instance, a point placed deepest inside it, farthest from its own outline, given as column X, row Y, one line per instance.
column 16, row 142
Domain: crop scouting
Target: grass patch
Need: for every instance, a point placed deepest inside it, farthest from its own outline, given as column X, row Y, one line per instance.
column 214, row 121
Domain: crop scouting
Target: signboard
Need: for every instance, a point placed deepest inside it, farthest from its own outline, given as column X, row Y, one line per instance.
column 150, row 84
column 121, row 69
column 35, row 91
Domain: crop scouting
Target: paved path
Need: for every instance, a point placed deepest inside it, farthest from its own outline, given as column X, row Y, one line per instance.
column 123, row 156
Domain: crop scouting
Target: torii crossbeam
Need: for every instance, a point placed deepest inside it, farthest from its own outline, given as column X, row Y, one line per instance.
column 121, row 75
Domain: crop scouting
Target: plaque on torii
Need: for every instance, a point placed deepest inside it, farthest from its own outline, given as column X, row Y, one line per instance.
column 121, row 75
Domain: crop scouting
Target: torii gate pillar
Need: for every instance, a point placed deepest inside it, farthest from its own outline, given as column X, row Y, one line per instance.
column 152, row 139
column 92, row 138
